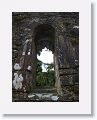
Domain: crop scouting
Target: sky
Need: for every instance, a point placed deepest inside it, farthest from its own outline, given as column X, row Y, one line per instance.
column 46, row 56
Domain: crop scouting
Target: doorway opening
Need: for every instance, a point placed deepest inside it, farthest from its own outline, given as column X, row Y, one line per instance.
column 45, row 69
column 44, row 45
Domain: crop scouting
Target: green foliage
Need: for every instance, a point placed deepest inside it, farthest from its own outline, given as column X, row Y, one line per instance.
column 39, row 64
column 50, row 67
column 45, row 79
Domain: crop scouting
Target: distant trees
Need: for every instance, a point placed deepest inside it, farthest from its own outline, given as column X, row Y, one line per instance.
column 45, row 79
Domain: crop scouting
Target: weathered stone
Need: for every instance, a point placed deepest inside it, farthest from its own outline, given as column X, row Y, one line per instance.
column 56, row 31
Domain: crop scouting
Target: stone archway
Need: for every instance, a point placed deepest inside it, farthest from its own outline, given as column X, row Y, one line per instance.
column 44, row 36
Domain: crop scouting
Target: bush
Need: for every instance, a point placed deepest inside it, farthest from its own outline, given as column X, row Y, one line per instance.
column 45, row 78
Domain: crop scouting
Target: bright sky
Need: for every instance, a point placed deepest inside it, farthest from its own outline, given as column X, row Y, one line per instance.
column 46, row 56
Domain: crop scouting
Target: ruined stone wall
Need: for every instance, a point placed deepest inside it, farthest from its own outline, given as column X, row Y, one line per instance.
column 67, row 50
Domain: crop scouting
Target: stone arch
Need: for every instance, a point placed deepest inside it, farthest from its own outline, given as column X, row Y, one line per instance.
column 44, row 36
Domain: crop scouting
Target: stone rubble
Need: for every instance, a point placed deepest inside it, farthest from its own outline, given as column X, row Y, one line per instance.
column 43, row 96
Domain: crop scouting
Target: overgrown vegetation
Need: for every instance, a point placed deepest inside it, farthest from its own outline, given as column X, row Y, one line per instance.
column 45, row 79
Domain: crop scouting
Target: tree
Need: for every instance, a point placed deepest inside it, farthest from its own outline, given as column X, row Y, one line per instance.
column 45, row 78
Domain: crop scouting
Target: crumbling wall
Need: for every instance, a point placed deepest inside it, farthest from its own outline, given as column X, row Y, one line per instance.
column 66, row 27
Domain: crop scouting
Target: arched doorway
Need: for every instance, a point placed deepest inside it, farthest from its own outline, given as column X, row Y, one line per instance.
column 44, row 37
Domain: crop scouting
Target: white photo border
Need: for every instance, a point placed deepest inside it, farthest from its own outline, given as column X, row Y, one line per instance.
column 84, row 104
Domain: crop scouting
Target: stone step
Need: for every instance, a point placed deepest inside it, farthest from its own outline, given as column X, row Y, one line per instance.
column 53, row 90
column 39, row 95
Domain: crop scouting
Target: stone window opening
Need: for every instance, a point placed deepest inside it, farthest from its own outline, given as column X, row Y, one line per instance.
column 44, row 41
column 45, row 75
